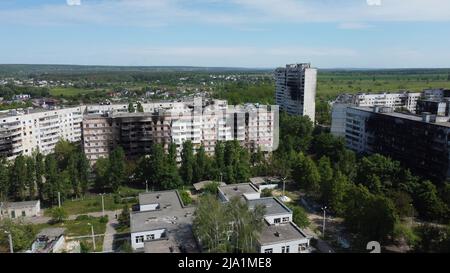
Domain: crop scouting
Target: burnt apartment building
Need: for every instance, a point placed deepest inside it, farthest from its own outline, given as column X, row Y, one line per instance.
column 420, row 142
column 202, row 123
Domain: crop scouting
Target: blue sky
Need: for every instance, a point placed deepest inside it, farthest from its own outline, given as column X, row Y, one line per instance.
column 244, row 33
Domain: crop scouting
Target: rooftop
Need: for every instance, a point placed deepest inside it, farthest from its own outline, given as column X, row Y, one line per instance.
column 412, row 117
column 51, row 232
column 272, row 205
column 237, row 190
column 271, row 234
column 160, row 197
column 170, row 214
column 201, row 185
column 18, row 205
column 177, row 241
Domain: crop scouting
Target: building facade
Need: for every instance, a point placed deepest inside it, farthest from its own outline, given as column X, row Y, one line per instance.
column 421, row 142
column 296, row 89
column 402, row 100
column 27, row 131
column 201, row 122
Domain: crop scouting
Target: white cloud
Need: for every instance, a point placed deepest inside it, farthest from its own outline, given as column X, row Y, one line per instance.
column 241, row 14
column 73, row 2
column 374, row 2
column 354, row 25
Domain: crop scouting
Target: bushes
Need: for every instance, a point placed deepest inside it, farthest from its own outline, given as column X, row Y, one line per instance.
column 185, row 197
column 58, row 215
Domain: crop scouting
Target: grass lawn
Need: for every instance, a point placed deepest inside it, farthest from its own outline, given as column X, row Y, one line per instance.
column 89, row 204
column 80, row 227
column 71, row 91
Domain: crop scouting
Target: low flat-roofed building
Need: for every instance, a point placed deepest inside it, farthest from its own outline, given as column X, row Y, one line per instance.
column 283, row 238
column 49, row 240
column 180, row 240
column 275, row 211
column 20, row 209
column 267, row 182
column 199, row 186
column 244, row 190
column 163, row 216
column 157, row 200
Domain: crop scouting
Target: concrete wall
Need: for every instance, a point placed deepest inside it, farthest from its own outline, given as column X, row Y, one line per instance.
column 293, row 246
column 271, row 218
column 148, row 207
column 157, row 235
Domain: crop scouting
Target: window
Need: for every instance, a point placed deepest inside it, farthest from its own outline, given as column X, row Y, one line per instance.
column 23, row 213
column 285, row 219
column 283, row 249
column 150, row 237
column 302, row 247
column 287, row 249
column 269, row 250
column 277, row 220
column 139, row 239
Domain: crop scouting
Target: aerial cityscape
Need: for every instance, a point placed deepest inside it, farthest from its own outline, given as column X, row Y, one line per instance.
column 163, row 146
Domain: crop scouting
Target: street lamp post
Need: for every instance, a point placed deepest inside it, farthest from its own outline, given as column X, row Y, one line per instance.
column 103, row 204
column 324, row 217
column 59, row 199
column 93, row 235
column 146, row 185
column 11, row 248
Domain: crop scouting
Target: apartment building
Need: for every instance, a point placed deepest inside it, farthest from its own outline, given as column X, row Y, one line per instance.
column 401, row 100
column 23, row 132
column 421, row 142
column 200, row 121
column 296, row 89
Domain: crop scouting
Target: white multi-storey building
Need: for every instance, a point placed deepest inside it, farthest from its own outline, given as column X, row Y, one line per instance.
column 23, row 132
column 296, row 89
column 401, row 100
column 203, row 122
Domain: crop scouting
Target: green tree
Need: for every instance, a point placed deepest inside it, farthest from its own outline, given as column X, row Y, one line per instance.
column 40, row 169
column 22, row 233
column 246, row 225
column 101, row 171
column 59, row 215
column 18, row 176
column 63, row 150
column 199, row 168
column 187, row 163
column 372, row 217
column 299, row 216
column 219, row 155
column 124, row 217
column 31, row 177
column 428, row 203
column 305, row 173
column 131, row 108
column 116, row 168
column 52, row 183
column 211, row 224
column 139, row 107
column 325, row 144
column 83, row 172
column 326, row 178
column 4, row 179
column 72, row 169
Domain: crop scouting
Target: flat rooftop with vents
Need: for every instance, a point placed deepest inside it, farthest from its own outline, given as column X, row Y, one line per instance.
column 245, row 190
column 272, row 205
column 283, row 233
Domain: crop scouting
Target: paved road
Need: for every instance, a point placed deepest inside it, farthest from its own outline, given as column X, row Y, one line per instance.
column 108, row 240
column 45, row 219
